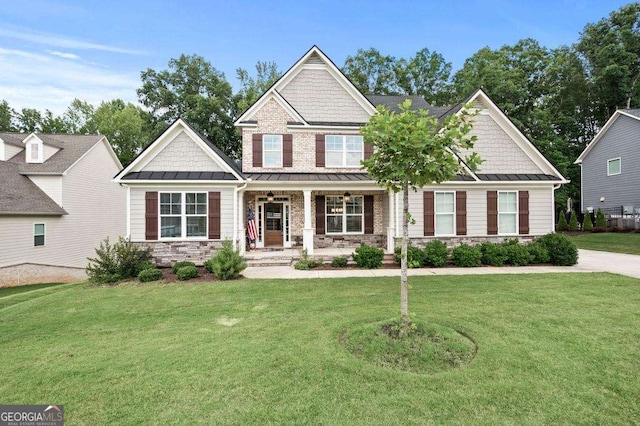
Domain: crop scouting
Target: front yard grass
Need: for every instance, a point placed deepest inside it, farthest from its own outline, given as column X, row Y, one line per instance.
column 556, row 348
column 616, row 242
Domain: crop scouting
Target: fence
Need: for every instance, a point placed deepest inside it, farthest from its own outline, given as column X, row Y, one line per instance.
column 616, row 218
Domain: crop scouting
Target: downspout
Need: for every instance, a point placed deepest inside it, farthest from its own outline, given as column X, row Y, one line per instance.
column 553, row 206
column 235, row 213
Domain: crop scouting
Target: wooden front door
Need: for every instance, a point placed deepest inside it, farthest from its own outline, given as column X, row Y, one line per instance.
column 273, row 225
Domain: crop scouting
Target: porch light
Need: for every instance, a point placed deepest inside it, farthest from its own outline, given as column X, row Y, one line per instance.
column 346, row 197
column 270, row 197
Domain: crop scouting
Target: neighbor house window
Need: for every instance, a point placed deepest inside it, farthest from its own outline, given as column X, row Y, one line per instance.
column 613, row 167
column 271, row 150
column 507, row 212
column 343, row 150
column 34, row 152
column 38, row 234
column 444, row 213
column 344, row 217
column 183, row 214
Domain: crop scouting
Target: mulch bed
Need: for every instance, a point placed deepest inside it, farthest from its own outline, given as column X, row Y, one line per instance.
column 203, row 276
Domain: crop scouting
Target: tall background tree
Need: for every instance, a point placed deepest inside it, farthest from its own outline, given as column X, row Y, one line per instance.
column 7, row 115
column 193, row 89
column 411, row 150
column 251, row 88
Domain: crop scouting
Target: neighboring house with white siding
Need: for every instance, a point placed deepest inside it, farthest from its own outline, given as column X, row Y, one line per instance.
column 57, row 202
column 610, row 166
column 301, row 174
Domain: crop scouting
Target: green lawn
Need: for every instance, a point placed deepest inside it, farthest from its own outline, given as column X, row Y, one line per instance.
column 609, row 241
column 561, row 348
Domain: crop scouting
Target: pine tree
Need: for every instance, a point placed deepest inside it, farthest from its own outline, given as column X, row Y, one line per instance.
column 562, row 226
column 587, row 224
column 573, row 222
column 600, row 220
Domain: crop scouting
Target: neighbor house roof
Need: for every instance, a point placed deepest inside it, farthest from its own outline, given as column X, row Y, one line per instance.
column 633, row 113
column 417, row 102
column 19, row 195
column 71, row 148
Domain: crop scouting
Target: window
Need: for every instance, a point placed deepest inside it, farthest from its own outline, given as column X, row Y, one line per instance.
column 183, row 214
column 344, row 217
column 507, row 212
column 614, row 167
column 38, row 234
column 271, row 150
column 343, row 150
column 34, row 152
column 445, row 213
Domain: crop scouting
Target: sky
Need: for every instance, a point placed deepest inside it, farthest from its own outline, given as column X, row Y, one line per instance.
column 52, row 51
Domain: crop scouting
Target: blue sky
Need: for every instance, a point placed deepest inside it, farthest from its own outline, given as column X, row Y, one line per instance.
column 54, row 51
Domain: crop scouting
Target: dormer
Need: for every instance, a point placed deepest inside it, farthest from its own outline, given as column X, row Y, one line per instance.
column 34, row 149
column 2, row 150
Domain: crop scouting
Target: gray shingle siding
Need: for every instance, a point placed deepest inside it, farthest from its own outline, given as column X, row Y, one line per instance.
column 622, row 140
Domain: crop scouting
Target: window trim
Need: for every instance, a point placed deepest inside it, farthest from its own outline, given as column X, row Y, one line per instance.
column 29, row 152
column 344, row 152
column 43, row 235
column 344, row 216
column 183, row 216
column 264, row 151
column 435, row 213
column 609, row 166
column 515, row 214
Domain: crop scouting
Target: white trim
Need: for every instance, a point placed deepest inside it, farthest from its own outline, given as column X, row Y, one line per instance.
column 277, row 166
column 44, row 234
column 344, row 216
column 435, row 214
column 183, row 216
column 163, row 141
column 601, row 133
column 608, row 168
column 128, row 211
column 517, row 211
column 29, row 142
column 344, row 152
column 261, row 222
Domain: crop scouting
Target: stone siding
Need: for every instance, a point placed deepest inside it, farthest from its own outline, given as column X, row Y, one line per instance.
column 29, row 273
column 343, row 241
column 166, row 253
column 452, row 242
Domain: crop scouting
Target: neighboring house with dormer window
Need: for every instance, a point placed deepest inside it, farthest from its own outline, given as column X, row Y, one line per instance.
column 57, row 202
column 610, row 176
column 301, row 175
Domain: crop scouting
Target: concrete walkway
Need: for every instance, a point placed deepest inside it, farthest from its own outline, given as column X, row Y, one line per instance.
column 589, row 261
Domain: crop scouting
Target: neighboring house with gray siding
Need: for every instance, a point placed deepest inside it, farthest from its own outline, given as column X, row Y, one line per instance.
column 57, row 202
column 610, row 165
column 301, row 175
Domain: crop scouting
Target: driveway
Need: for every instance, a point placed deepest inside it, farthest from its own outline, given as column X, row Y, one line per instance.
column 589, row 261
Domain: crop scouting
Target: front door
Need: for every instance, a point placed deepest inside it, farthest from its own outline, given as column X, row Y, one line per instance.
column 273, row 225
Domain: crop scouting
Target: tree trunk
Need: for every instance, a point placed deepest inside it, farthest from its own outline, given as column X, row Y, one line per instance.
column 404, row 285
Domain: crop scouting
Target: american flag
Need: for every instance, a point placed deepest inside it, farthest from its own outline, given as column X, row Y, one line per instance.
column 252, row 230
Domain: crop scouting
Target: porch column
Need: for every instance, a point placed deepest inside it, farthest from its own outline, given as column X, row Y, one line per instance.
column 241, row 237
column 307, row 232
column 391, row 229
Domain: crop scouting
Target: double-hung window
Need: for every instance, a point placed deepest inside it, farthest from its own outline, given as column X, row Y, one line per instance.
column 614, row 166
column 507, row 212
column 344, row 217
column 343, row 150
column 271, row 150
column 38, row 234
column 183, row 214
column 445, row 213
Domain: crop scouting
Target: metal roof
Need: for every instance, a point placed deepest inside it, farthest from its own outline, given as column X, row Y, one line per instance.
column 179, row 176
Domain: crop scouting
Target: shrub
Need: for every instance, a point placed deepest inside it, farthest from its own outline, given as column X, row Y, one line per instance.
column 573, row 222
column 115, row 262
column 226, row 263
column 179, row 265
column 368, row 257
column 517, row 254
column 538, row 253
column 562, row 251
column 339, row 262
column 493, row 254
column 587, row 224
column 562, row 225
column 415, row 256
column 146, row 265
column 466, row 256
column 305, row 263
column 187, row 272
column 436, row 253
column 601, row 222
column 150, row 274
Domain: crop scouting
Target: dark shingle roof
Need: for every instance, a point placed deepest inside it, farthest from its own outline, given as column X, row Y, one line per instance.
column 14, row 139
column 417, row 102
column 20, row 196
column 71, row 148
column 179, row 176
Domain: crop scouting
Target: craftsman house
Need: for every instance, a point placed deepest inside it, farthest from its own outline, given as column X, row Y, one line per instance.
column 57, row 202
column 609, row 167
column 300, row 173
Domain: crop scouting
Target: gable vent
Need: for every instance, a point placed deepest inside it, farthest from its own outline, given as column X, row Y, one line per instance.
column 314, row 59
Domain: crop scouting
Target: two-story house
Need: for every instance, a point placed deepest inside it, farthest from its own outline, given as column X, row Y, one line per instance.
column 57, row 202
column 301, row 175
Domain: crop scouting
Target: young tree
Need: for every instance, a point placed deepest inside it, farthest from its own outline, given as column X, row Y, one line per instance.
column 411, row 150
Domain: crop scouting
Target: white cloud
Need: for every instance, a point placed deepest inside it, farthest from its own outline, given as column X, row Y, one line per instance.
column 31, row 80
column 64, row 55
column 62, row 41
